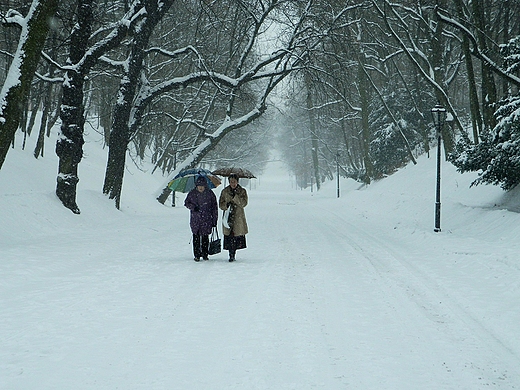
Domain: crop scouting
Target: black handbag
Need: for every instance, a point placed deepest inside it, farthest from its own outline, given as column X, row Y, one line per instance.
column 214, row 243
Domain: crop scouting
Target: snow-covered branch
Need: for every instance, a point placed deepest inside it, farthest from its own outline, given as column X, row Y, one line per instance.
column 476, row 51
column 14, row 17
column 429, row 73
column 53, row 80
column 175, row 53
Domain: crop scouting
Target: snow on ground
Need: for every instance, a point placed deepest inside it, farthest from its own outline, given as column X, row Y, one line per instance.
column 349, row 293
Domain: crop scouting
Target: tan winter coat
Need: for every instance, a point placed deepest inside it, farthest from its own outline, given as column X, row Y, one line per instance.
column 239, row 201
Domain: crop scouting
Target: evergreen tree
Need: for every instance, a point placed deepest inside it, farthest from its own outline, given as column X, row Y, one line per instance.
column 498, row 154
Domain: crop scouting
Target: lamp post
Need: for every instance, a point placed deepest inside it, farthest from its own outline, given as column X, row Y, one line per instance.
column 174, row 167
column 439, row 116
column 337, row 172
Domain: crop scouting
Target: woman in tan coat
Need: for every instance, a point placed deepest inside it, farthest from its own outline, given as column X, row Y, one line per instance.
column 234, row 197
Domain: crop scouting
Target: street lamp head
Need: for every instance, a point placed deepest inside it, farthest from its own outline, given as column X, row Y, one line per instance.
column 438, row 114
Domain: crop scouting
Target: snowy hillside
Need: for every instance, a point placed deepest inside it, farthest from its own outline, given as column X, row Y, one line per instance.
column 349, row 293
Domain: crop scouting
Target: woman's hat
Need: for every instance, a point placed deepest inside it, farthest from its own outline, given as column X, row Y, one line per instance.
column 200, row 181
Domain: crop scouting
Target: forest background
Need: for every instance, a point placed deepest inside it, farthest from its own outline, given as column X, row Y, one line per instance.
column 183, row 83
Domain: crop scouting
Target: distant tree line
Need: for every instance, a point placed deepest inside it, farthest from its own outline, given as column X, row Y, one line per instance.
column 377, row 69
column 188, row 82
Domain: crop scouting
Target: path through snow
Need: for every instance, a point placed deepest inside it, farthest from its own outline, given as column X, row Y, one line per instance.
column 328, row 295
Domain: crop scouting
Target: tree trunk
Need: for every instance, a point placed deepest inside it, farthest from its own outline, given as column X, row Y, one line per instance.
column 347, row 149
column 438, row 66
column 53, row 118
column 120, row 134
column 26, row 59
column 314, row 137
column 23, row 120
column 69, row 146
column 35, row 107
column 476, row 118
column 116, row 159
column 164, row 195
column 365, row 128
column 506, row 10
column 489, row 92
column 38, row 149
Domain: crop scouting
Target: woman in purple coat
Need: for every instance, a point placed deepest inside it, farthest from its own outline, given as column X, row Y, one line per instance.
column 202, row 203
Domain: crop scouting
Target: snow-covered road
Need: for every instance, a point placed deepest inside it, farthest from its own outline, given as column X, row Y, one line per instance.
column 350, row 293
column 380, row 314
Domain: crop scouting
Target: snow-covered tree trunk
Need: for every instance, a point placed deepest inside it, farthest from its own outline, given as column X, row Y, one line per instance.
column 69, row 146
column 123, row 114
column 210, row 142
column 83, row 55
column 35, row 27
column 272, row 68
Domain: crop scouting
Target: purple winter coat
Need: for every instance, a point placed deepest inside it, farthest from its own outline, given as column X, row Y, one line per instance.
column 202, row 220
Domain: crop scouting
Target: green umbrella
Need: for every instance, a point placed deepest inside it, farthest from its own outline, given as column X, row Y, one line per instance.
column 185, row 180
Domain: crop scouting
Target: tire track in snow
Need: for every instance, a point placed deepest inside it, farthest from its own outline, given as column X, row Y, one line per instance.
column 435, row 301
column 352, row 308
column 289, row 271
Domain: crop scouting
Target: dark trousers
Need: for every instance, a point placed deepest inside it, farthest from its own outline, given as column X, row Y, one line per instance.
column 200, row 245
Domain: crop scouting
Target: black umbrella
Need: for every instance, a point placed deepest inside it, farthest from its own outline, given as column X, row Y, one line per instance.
column 240, row 172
